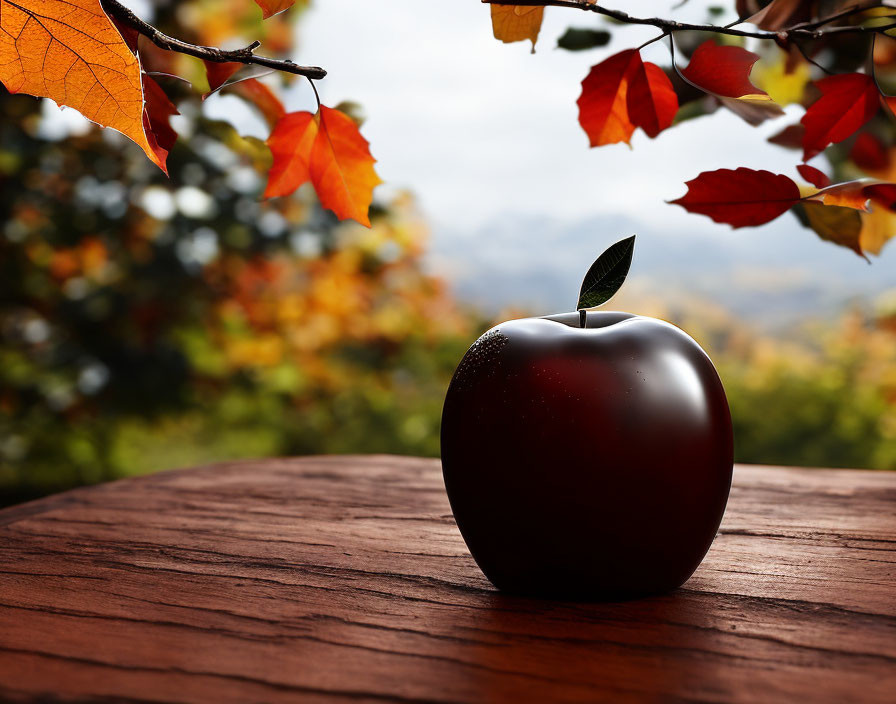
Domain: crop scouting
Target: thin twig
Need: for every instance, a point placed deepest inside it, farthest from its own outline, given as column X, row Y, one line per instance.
column 316, row 94
column 855, row 9
column 245, row 55
column 812, row 61
column 811, row 31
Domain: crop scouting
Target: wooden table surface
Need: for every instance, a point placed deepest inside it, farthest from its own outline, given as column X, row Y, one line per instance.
column 345, row 578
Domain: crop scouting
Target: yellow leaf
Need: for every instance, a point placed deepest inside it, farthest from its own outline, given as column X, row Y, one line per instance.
column 514, row 23
column 69, row 51
column 878, row 227
column 841, row 226
column 784, row 88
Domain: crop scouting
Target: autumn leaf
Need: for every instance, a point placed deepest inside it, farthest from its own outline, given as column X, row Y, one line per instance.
column 777, row 14
column 651, row 100
column 814, row 176
column 623, row 93
column 870, row 155
column 740, row 197
column 878, row 228
column 603, row 112
column 130, row 35
column 515, row 23
column 269, row 8
column 218, row 73
column 327, row 149
column 724, row 71
column 856, row 194
column 883, row 195
column 157, row 113
column 791, row 137
column 783, row 77
column 847, row 102
column 842, row 226
column 69, row 51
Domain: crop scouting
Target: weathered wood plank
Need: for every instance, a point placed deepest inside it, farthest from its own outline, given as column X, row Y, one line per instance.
column 344, row 578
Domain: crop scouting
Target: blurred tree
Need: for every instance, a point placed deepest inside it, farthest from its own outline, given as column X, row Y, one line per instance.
column 147, row 322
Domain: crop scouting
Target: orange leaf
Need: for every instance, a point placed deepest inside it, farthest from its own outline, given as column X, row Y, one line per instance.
column 847, row 195
column 262, row 97
column 848, row 101
column 269, row 8
column 291, row 144
column 741, row 198
column 515, row 23
column 69, row 51
column 328, row 150
column 157, row 113
column 623, row 93
column 814, row 176
column 722, row 70
column 650, row 99
column 856, row 194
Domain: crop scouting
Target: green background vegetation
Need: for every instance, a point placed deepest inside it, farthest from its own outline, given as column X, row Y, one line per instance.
column 147, row 324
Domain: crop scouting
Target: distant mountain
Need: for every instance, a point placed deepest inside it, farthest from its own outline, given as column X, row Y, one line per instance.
column 771, row 276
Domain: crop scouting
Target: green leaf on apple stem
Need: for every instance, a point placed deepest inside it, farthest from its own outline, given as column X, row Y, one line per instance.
column 607, row 274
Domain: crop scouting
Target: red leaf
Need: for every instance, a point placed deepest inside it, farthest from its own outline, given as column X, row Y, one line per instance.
column 651, row 100
column 814, row 176
column 157, row 112
column 869, row 154
column 128, row 33
column 623, row 93
column 741, row 198
column 218, row 73
column 883, row 194
column 790, row 137
column 848, row 101
column 262, row 97
column 328, row 150
column 722, row 70
column 778, row 13
column 603, row 112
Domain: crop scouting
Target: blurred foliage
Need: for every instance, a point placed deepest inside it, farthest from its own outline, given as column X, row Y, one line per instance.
column 823, row 395
column 148, row 323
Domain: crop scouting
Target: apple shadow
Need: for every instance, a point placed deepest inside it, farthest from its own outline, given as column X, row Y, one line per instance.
column 651, row 649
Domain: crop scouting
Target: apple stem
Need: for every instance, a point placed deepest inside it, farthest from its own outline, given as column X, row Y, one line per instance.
column 582, row 317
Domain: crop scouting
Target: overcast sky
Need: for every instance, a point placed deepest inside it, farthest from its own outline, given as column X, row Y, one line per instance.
column 479, row 128
column 483, row 132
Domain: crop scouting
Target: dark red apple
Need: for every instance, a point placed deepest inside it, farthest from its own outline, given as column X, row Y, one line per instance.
column 587, row 462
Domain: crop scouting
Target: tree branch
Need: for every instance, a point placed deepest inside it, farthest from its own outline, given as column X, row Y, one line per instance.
column 805, row 31
column 243, row 56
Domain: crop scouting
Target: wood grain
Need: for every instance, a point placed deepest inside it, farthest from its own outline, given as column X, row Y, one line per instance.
column 345, row 579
